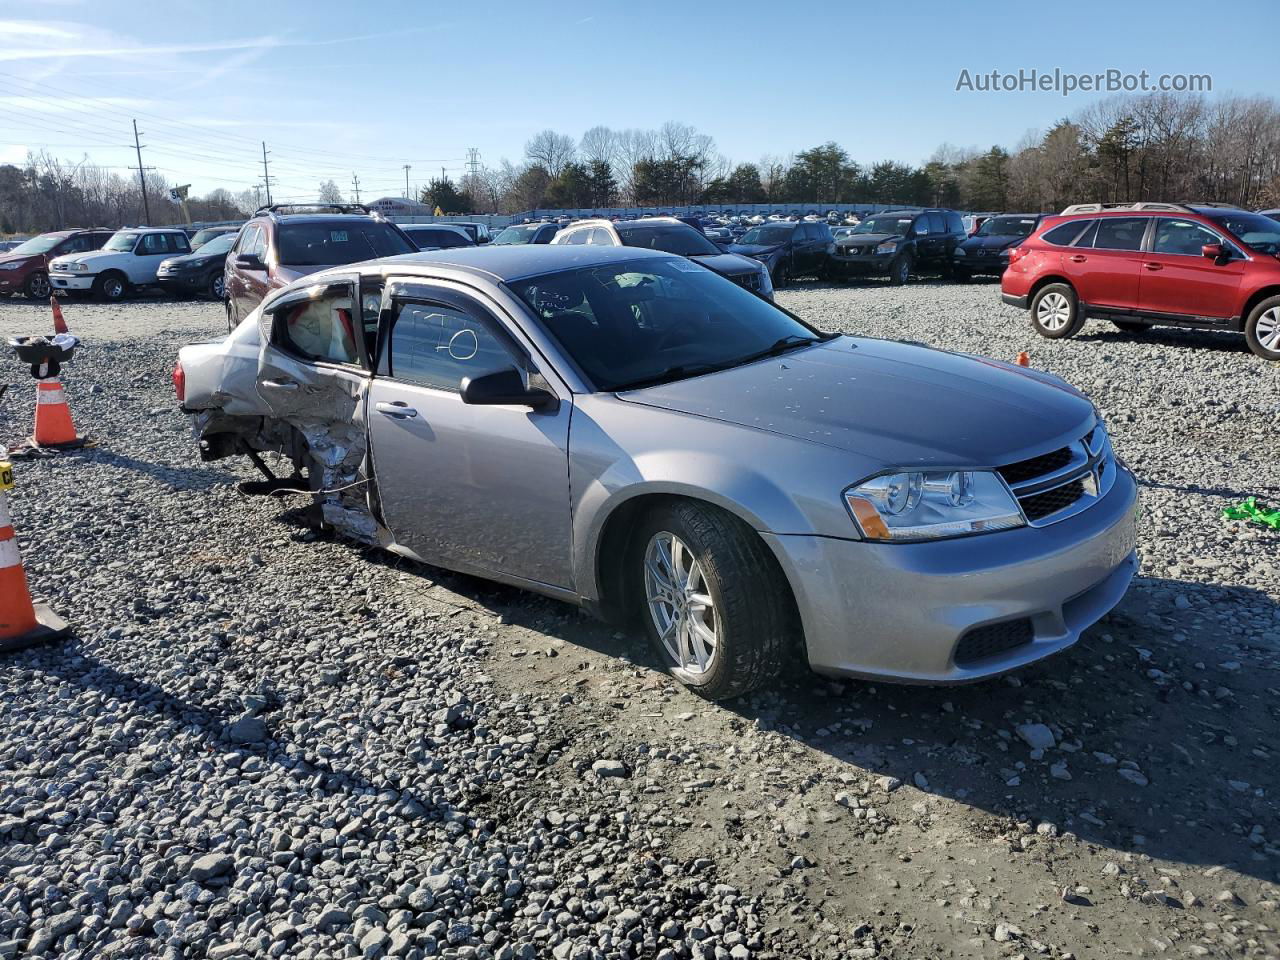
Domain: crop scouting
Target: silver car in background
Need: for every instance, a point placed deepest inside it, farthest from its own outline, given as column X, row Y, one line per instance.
column 626, row 430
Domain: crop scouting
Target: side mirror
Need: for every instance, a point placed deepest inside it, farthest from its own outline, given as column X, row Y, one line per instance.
column 250, row 261
column 1214, row 251
column 505, row 388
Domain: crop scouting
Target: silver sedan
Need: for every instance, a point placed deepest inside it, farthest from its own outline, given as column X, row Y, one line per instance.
column 628, row 431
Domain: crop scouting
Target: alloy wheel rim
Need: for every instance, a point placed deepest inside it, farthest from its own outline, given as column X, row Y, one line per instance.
column 1267, row 329
column 40, row 286
column 112, row 288
column 1053, row 311
column 680, row 604
column 904, row 272
column 217, row 288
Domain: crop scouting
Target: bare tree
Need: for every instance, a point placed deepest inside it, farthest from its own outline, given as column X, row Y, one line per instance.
column 551, row 150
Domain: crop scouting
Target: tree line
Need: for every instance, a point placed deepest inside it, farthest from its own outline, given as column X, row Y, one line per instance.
column 1155, row 147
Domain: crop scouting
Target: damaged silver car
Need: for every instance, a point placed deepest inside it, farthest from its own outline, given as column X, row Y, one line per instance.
column 627, row 431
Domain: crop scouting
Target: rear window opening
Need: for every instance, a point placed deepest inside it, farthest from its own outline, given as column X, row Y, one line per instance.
column 337, row 243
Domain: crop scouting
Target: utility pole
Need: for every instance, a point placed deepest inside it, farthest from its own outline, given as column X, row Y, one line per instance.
column 257, row 195
column 266, row 177
column 355, row 185
column 142, row 176
column 473, row 162
column 406, row 182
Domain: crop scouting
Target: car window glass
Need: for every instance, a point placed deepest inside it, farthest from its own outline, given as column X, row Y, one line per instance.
column 153, row 243
column 1119, row 233
column 259, row 248
column 1064, row 233
column 936, row 223
column 247, row 238
column 921, row 226
column 321, row 327
column 577, row 237
column 601, row 238
column 1184, row 237
column 954, row 224
column 437, row 346
column 81, row 244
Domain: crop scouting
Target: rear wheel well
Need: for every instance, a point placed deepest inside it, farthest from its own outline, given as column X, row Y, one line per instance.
column 1257, row 297
column 1044, row 282
column 617, row 540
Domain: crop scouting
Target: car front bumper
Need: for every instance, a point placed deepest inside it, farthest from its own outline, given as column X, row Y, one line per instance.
column 862, row 264
column 184, row 282
column 72, row 281
column 899, row 612
column 10, row 282
column 989, row 266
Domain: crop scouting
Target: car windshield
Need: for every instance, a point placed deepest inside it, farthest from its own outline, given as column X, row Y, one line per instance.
column 524, row 233
column 1254, row 230
column 121, row 242
column 1008, row 227
column 39, row 244
column 894, row 226
column 768, row 234
column 336, row 243
column 643, row 322
column 204, row 236
column 675, row 238
column 222, row 243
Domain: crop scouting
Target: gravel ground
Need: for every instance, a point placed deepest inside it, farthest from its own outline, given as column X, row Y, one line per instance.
column 261, row 742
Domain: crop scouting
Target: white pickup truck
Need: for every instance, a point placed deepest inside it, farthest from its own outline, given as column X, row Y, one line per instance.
column 129, row 261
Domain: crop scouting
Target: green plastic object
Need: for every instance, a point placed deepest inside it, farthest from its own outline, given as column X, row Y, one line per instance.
column 1249, row 510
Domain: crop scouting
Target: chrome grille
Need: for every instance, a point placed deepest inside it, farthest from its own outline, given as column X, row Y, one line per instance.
column 1063, row 482
column 749, row 280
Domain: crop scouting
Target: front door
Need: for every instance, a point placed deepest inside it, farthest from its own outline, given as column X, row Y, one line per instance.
column 482, row 488
column 1104, row 264
column 1177, row 279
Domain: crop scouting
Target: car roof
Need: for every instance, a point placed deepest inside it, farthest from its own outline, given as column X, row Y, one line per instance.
column 320, row 217
column 456, row 228
column 508, row 262
column 152, row 230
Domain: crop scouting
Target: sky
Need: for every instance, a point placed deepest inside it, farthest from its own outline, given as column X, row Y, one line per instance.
column 335, row 88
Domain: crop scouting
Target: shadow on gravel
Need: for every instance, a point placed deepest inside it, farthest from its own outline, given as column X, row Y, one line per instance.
column 178, row 478
column 1164, row 741
column 70, row 663
column 1206, row 341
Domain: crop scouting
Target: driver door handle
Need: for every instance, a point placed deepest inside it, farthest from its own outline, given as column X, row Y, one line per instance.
column 1154, row 266
column 396, row 410
column 1078, row 258
column 284, row 383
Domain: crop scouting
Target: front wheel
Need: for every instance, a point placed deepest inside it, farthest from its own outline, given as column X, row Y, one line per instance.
column 781, row 275
column 713, row 601
column 214, row 286
column 1055, row 312
column 38, row 286
column 1262, row 329
column 900, row 270
column 110, row 287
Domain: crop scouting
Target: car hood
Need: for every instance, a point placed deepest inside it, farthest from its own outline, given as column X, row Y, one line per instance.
column 194, row 258
column 858, row 240
column 91, row 256
column 20, row 258
column 754, row 249
column 990, row 244
column 729, row 264
column 286, row 275
column 899, row 404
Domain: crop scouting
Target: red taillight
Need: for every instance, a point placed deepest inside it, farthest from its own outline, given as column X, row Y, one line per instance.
column 1017, row 253
column 180, row 382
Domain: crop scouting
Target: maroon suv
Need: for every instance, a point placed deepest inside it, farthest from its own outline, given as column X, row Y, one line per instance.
column 25, row 269
column 1204, row 266
column 286, row 241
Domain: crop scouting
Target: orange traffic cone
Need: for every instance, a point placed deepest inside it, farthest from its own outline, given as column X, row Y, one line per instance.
column 22, row 623
column 53, row 418
column 59, row 325
column 1024, row 359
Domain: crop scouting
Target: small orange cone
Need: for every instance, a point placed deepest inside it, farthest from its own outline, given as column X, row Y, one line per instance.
column 22, row 623
column 53, row 418
column 1024, row 359
column 59, row 325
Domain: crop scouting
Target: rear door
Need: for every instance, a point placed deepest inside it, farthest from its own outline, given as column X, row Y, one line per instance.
column 1178, row 280
column 150, row 249
column 481, row 488
column 1104, row 264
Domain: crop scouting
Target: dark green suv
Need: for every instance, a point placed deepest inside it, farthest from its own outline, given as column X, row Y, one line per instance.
column 898, row 243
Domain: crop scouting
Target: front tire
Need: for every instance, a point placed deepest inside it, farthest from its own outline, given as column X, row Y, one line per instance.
column 781, row 275
column 111, row 287
column 900, row 270
column 38, row 287
column 712, row 599
column 1262, row 329
column 1055, row 312
column 214, row 287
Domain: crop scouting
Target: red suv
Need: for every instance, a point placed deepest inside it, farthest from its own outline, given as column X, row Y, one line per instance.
column 1206, row 266
column 25, row 268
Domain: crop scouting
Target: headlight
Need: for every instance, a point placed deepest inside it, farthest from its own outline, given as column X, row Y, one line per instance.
column 902, row 507
column 1006, row 251
column 887, row 247
column 960, row 252
column 11, row 266
column 766, row 280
